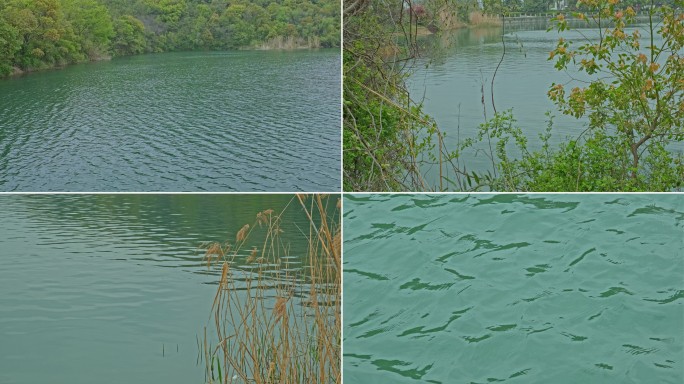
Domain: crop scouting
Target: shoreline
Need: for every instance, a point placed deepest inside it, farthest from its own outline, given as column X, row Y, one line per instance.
column 22, row 72
column 16, row 72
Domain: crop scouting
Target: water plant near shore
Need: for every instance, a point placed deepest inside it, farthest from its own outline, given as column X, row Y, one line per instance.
column 633, row 102
column 275, row 323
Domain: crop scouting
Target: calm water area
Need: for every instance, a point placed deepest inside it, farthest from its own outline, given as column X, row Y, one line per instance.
column 537, row 288
column 189, row 121
column 461, row 64
column 111, row 289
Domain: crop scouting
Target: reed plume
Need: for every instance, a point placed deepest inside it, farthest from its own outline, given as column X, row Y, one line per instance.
column 251, row 256
column 241, row 233
column 276, row 324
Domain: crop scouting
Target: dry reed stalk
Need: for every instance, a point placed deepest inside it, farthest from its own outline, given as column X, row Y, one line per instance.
column 279, row 325
column 280, row 309
column 241, row 234
column 290, row 42
column 448, row 19
column 251, row 256
column 479, row 18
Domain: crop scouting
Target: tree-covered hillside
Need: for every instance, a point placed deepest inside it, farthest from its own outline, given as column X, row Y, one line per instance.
column 36, row 34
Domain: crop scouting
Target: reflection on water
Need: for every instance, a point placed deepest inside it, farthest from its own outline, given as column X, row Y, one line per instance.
column 184, row 121
column 109, row 288
column 458, row 79
column 515, row 288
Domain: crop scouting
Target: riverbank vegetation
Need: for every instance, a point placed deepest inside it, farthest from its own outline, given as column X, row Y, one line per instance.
column 384, row 130
column 275, row 321
column 634, row 105
column 36, row 34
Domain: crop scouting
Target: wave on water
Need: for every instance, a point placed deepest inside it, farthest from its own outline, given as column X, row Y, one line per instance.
column 513, row 288
column 189, row 121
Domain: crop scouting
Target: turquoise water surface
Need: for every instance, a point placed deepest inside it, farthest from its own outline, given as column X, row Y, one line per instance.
column 513, row 288
column 111, row 288
column 243, row 121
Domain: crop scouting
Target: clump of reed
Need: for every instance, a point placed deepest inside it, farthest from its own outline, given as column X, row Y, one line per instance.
column 447, row 19
column 290, row 42
column 275, row 323
column 480, row 19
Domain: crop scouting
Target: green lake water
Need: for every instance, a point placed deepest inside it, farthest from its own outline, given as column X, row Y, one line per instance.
column 110, row 288
column 559, row 289
column 461, row 63
column 190, row 121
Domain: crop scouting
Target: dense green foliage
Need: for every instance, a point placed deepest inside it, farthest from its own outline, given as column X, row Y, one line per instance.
column 383, row 134
column 386, row 137
column 634, row 105
column 43, row 33
column 536, row 5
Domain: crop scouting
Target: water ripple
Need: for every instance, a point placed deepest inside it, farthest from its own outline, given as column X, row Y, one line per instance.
column 209, row 121
column 515, row 288
column 93, row 283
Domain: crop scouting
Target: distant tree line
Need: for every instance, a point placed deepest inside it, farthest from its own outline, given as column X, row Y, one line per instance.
column 37, row 34
column 547, row 5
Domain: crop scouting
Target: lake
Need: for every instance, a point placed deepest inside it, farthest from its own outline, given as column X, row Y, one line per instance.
column 535, row 288
column 461, row 64
column 111, row 288
column 189, row 121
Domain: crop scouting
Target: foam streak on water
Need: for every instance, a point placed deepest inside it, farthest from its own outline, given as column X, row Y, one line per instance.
column 514, row 288
column 190, row 121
